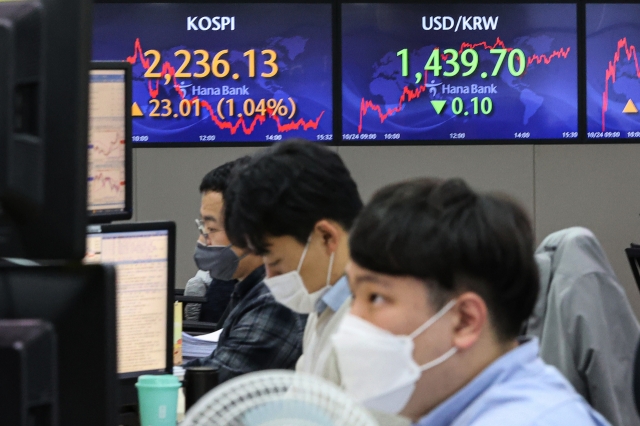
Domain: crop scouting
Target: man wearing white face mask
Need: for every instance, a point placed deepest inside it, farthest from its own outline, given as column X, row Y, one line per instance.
column 294, row 204
column 443, row 279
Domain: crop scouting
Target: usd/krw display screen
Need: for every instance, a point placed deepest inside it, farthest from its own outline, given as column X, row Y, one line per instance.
column 215, row 73
column 459, row 71
column 613, row 72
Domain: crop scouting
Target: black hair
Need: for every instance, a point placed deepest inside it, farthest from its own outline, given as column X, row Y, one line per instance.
column 454, row 240
column 218, row 179
column 285, row 190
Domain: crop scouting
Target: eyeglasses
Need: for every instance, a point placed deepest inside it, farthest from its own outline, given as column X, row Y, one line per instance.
column 201, row 227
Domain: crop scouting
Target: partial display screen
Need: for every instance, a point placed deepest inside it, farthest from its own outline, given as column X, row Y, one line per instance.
column 141, row 262
column 215, row 73
column 613, row 72
column 413, row 72
column 107, row 133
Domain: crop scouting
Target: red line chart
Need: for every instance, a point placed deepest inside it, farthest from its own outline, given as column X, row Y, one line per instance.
column 109, row 148
column 409, row 94
column 108, row 182
column 246, row 126
column 610, row 73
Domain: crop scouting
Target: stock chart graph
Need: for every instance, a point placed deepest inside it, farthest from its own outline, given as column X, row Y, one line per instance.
column 106, row 155
column 251, row 73
column 613, row 71
column 447, row 72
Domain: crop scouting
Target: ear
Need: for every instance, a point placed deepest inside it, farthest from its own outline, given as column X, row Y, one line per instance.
column 471, row 319
column 329, row 234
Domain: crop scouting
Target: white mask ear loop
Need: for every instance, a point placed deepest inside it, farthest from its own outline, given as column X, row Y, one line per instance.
column 333, row 255
column 304, row 253
column 433, row 319
column 442, row 358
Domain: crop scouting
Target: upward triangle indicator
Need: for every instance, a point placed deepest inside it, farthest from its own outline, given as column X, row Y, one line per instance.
column 630, row 108
column 136, row 111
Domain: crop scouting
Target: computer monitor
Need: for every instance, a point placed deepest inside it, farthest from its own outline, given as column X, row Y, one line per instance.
column 453, row 73
column 227, row 73
column 45, row 50
column 612, row 69
column 144, row 257
column 80, row 302
column 28, row 391
column 109, row 154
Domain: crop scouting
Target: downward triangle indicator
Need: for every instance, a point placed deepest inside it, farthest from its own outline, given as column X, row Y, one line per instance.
column 136, row 111
column 438, row 106
column 630, row 108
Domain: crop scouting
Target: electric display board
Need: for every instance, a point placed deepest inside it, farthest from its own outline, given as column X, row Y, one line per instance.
column 613, row 73
column 222, row 73
column 423, row 72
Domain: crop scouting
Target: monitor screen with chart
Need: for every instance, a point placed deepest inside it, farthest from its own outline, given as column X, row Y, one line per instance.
column 222, row 73
column 109, row 148
column 143, row 256
column 613, row 71
column 459, row 72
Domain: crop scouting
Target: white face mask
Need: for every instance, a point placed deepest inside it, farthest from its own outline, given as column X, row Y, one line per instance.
column 377, row 366
column 289, row 290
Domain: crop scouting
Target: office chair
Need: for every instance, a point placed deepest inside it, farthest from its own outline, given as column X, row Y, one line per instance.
column 636, row 379
column 633, row 255
column 585, row 324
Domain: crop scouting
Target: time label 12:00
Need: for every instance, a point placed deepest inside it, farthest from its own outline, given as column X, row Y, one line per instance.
column 218, row 66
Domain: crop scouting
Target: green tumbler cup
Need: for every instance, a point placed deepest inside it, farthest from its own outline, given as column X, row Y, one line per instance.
column 158, row 399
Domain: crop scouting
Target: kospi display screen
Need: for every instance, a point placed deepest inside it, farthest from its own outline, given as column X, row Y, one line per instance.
column 222, row 73
column 613, row 72
column 420, row 72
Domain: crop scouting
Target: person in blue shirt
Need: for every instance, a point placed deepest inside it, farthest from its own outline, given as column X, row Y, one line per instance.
column 443, row 279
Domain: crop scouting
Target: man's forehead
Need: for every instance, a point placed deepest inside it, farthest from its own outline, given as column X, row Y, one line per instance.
column 358, row 275
column 211, row 203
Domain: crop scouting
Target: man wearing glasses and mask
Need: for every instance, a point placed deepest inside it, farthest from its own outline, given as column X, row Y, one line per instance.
column 258, row 333
column 217, row 292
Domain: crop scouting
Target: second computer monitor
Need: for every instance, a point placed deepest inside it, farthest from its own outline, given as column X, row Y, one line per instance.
column 109, row 156
column 144, row 258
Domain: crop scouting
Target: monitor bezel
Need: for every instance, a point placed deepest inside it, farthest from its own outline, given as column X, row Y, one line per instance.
column 581, row 82
column 99, row 281
column 44, row 162
column 128, row 392
column 336, row 82
column 95, row 216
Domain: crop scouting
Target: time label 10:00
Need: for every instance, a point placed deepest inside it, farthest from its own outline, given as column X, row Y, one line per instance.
column 218, row 66
column 469, row 58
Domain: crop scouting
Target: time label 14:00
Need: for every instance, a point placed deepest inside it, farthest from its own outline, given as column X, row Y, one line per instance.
column 218, row 66
column 469, row 58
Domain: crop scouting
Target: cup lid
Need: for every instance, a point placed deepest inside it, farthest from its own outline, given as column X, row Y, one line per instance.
column 201, row 369
column 159, row 381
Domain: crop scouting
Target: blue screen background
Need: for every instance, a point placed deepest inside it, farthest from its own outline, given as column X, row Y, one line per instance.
column 540, row 104
column 613, row 35
column 300, row 34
